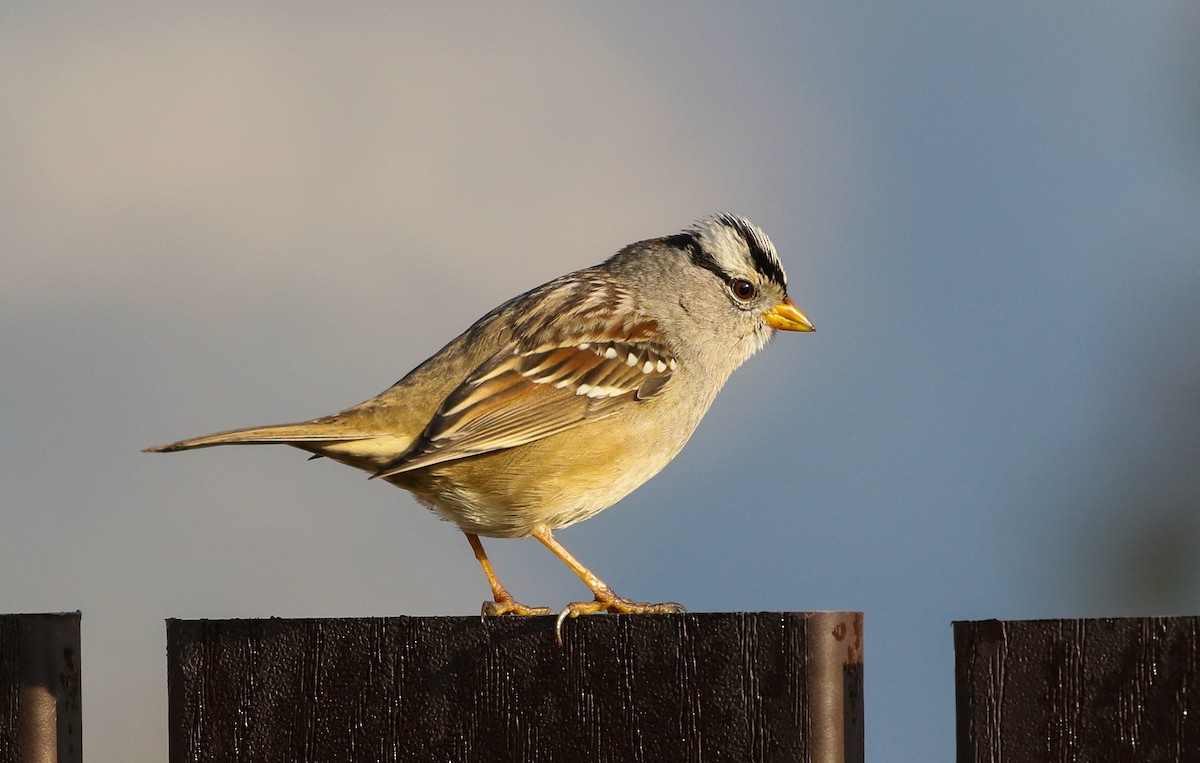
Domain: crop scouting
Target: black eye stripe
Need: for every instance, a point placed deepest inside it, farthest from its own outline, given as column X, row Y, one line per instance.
column 688, row 242
column 762, row 253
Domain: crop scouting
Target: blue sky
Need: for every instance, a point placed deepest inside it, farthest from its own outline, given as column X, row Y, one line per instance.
column 239, row 214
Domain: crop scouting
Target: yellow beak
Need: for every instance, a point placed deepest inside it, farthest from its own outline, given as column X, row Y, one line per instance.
column 787, row 316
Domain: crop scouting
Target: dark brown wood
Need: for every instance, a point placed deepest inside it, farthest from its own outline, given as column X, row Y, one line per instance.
column 1106, row 690
column 726, row 686
column 40, row 716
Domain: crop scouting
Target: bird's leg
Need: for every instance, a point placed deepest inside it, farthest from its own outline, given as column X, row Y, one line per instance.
column 605, row 599
column 502, row 601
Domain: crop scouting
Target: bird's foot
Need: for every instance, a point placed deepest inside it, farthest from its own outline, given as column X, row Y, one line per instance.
column 609, row 602
column 507, row 605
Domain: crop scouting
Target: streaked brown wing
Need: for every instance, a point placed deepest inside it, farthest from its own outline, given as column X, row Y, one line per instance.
column 518, row 397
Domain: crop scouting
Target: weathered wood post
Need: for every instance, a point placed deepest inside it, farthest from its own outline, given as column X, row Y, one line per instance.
column 1124, row 689
column 40, row 715
column 720, row 686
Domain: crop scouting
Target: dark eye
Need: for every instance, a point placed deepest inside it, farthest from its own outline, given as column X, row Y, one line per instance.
column 743, row 289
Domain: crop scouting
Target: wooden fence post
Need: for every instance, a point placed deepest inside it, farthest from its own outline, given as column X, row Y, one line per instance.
column 1125, row 689
column 40, row 715
column 719, row 686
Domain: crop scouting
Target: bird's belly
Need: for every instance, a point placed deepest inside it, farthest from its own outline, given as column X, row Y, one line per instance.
column 548, row 484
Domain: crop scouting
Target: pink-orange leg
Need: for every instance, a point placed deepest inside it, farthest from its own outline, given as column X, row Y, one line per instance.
column 502, row 602
column 605, row 599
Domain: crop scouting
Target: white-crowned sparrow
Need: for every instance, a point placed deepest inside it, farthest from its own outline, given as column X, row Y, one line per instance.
column 562, row 401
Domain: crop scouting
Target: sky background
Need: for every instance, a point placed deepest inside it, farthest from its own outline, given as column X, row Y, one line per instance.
column 223, row 215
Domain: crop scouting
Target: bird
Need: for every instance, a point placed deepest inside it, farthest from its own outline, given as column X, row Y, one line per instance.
column 563, row 400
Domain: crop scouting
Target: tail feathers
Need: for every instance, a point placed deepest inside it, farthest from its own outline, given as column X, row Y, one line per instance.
column 289, row 434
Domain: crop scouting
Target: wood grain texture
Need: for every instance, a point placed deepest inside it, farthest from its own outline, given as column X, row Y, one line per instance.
column 40, row 713
column 1108, row 690
column 690, row 687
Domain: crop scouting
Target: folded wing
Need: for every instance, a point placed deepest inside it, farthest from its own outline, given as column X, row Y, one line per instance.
column 518, row 397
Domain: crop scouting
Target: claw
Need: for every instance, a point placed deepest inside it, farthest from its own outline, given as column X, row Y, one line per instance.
column 618, row 604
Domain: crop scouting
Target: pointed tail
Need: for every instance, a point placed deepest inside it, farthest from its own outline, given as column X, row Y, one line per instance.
column 287, row 434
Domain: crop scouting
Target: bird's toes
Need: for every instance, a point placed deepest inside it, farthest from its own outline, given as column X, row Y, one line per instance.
column 511, row 606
